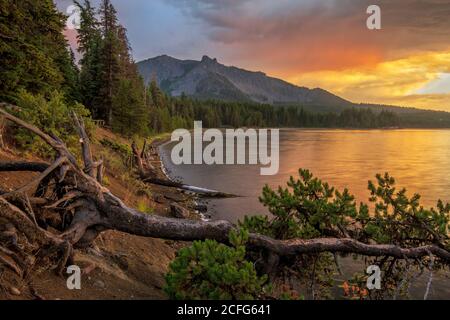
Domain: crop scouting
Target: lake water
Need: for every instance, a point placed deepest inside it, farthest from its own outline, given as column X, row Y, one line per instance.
column 418, row 159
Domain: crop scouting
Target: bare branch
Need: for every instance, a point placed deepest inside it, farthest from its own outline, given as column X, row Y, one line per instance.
column 138, row 159
column 23, row 224
column 66, row 198
column 35, row 182
column 23, row 166
column 128, row 220
column 100, row 168
column 85, row 145
column 144, row 147
column 29, row 209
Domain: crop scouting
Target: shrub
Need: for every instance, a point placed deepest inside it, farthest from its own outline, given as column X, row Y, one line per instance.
column 123, row 149
column 209, row 270
column 309, row 208
column 53, row 115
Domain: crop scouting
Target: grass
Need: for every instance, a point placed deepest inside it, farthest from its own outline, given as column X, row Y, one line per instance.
column 143, row 207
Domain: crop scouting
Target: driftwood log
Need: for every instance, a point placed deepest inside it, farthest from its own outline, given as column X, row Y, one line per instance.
column 147, row 174
column 81, row 208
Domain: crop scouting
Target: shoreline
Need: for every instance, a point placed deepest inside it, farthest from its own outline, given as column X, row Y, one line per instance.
column 194, row 199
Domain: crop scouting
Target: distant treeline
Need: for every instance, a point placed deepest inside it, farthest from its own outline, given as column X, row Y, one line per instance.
column 168, row 113
column 182, row 111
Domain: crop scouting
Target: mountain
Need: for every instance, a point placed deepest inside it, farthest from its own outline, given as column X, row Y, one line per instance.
column 208, row 79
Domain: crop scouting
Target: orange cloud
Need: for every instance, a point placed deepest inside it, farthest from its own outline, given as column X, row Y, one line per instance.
column 390, row 82
column 286, row 37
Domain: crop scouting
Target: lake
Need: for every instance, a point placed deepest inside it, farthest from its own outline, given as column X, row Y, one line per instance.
column 418, row 159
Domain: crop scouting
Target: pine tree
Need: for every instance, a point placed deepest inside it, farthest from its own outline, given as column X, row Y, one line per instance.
column 112, row 86
column 109, row 61
column 89, row 42
column 157, row 95
column 129, row 116
column 129, row 109
column 34, row 52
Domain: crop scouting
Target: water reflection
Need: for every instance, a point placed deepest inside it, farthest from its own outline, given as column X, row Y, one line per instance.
column 418, row 159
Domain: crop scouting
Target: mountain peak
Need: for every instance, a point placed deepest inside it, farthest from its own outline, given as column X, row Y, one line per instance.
column 209, row 79
column 164, row 57
column 207, row 59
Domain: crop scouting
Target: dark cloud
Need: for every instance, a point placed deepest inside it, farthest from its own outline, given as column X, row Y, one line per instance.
column 322, row 43
column 283, row 37
column 308, row 30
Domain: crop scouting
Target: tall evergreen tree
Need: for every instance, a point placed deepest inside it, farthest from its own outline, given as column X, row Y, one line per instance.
column 129, row 114
column 157, row 95
column 111, row 84
column 109, row 60
column 128, row 104
column 34, row 52
column 89, row 42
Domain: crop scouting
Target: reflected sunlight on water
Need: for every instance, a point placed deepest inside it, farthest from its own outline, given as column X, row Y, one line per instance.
column 418, row 159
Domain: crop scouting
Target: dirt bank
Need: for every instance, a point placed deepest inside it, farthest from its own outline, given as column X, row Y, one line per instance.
column 120, row 266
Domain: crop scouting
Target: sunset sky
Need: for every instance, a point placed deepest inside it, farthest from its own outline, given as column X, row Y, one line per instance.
column 313, row 43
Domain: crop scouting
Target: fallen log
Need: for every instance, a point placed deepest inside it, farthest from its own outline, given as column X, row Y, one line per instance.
column 147, row 173
column 203, row 192
column 95, row 209
column 13, row 166
column 23, row 166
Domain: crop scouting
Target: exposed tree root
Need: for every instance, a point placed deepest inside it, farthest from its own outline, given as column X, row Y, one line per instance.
column 77, row 208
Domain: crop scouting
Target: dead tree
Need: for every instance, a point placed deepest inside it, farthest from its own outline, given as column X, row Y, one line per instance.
column 66, row 207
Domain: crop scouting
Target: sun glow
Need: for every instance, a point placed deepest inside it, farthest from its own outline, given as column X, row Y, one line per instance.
column 401, row 82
